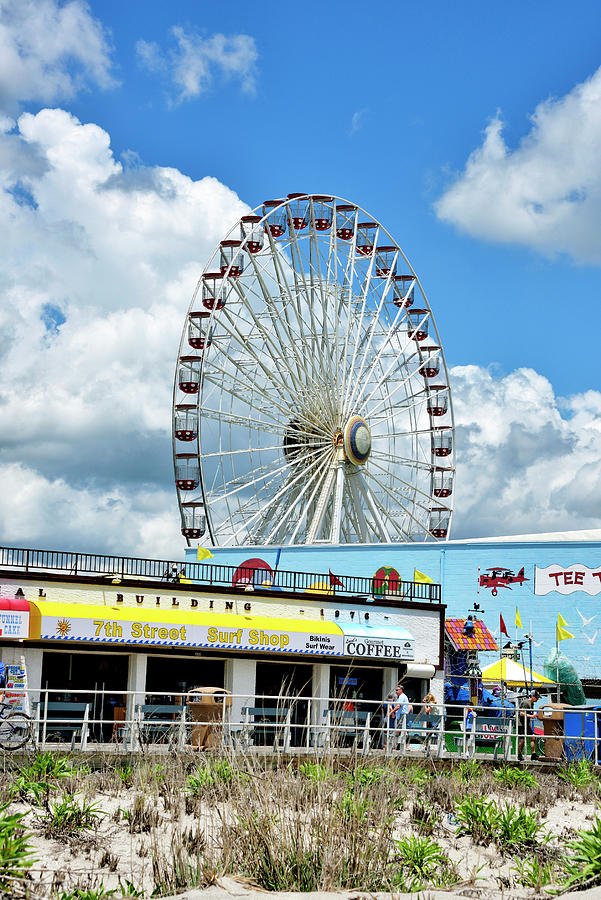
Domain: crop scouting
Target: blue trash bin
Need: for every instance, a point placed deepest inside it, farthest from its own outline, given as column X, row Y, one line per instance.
column 580, row 732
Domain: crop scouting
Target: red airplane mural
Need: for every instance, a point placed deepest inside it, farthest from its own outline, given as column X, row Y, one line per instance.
column 501, row 577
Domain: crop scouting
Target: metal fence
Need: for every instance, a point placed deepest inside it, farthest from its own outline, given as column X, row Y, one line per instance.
column 119, row 568
column 86, row 720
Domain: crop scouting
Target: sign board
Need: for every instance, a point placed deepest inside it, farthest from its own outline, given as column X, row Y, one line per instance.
column 379, row 647
column 14, row 624
column 566, row 580
column 15, row 690
column 107, row 631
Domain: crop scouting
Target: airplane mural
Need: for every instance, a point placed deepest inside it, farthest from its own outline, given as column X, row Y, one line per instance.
column 500, row 577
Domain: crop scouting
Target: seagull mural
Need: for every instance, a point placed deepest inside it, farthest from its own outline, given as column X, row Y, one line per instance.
column 593, row 639
column 585, row 621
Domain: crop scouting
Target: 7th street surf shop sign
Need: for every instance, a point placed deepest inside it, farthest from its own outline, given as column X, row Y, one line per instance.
column 567, row 579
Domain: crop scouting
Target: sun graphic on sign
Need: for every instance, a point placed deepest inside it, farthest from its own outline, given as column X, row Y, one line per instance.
column 63, row 627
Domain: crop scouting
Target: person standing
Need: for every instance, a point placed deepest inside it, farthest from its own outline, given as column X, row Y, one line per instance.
column 527, row 715
column 401, row 708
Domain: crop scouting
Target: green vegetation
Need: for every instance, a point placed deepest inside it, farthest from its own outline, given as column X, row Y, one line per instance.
column 70, row 815
column 583, row 864
column 515, row 776
column 421, row 862
column 16, row 855
column 578, row 774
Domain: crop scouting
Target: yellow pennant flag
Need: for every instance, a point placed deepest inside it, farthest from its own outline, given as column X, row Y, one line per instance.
column 562, row 633
column 183, row 580
column 203, row 553
column 420, row 578
column 518, row 621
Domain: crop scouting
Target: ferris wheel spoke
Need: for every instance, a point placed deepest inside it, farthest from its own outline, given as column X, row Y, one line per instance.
column 292, row 505
column 406, row 484
column 246, row 348
column 247, row 396
column 303, row 515
column 370, row 335
column 276, row 319
column 243, row 483
column 396, row 497
column 277, row 496
column 349, row 379
column 301, row 285
column 293, row 298
column 398, row 386
column 386, row 343
column 376, row 511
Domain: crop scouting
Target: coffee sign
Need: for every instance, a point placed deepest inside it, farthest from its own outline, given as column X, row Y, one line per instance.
column 379, row 647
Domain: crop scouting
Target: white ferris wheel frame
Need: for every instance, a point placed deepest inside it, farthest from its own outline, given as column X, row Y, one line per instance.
column 329, row 500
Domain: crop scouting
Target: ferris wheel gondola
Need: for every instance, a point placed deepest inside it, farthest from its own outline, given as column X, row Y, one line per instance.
column 312, row 400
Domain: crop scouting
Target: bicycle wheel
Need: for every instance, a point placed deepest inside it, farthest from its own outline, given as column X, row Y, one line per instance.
column 15, row 731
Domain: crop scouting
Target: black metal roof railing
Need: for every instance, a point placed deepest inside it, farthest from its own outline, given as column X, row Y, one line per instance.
column 171, row 571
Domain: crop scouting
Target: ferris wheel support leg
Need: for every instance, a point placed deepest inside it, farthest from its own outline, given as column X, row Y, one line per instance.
column 378, row 520
column 324, row 496
column 356, row 504
column 338, row 496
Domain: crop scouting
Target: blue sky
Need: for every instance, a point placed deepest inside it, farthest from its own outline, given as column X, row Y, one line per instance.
column 423, row 81
column 135, row 136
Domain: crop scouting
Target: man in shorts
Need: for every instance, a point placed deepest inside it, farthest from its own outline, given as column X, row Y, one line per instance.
column 527, row 716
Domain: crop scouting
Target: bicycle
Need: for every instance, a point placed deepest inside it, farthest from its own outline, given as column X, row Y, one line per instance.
column 15, row 728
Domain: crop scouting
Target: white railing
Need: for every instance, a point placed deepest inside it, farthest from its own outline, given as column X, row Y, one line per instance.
column 289, row 723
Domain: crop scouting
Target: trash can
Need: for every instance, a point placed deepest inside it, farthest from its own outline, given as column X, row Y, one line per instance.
column 580, row 729
column 205, row 707
column 552, row 716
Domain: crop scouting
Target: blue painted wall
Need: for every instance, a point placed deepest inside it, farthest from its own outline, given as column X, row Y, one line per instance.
column 457, row 566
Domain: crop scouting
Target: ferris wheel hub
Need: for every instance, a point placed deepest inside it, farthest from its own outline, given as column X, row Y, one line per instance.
column 357, row 440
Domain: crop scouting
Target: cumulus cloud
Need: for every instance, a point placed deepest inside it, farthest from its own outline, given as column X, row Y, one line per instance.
column 192, row 62
column 49, row 51
column 527, row 461
column 97, row 266
column 545, row 193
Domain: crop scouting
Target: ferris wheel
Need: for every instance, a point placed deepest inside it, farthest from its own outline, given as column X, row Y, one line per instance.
column 311, row 399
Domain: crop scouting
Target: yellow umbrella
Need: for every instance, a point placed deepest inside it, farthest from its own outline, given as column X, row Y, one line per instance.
column 511, row 672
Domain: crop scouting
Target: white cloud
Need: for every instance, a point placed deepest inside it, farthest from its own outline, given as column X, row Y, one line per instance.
column 97, row 267
column 194, row 61
column 545, row 193
column 357, row 120
column 527, row 461
column 49, row 51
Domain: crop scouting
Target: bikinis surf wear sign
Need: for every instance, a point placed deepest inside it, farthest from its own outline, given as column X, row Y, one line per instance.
column 567, row 579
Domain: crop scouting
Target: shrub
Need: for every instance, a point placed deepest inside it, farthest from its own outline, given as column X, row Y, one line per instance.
column 533, row 872
column 583, row 864
column 424, row 817
column 210, row 774
column 125, row 774
column 16, row 855
column 477, row 817
column 468, row 770
column 143, row 816
column 578, row 774
column 70, row 815
column 364, row 777
column 420, row 861
column 514, row 776
column 313, row 771
column 517, row 827
column 47, row 766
